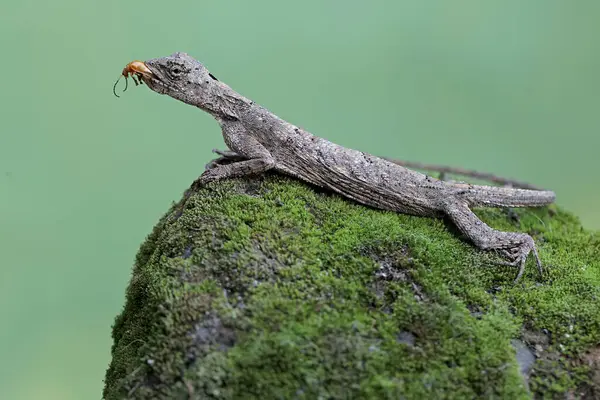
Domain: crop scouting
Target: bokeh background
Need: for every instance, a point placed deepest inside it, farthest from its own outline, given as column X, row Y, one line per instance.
column 508, row 87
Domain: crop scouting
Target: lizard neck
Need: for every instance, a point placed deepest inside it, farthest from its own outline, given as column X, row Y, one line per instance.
column 220, row 101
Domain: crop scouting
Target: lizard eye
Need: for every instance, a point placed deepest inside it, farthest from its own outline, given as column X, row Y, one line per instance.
column 176, row 71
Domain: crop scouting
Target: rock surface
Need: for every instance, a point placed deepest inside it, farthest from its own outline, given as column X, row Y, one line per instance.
column 268, row 288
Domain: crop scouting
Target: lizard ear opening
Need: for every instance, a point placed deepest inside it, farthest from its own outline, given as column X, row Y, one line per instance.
column 213, row 77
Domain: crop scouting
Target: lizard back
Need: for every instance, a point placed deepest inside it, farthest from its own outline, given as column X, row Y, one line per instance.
column 355, row 174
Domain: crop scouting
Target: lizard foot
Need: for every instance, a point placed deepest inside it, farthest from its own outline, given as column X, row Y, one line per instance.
column 214, row 163
column 206, row 177
column 517, row 255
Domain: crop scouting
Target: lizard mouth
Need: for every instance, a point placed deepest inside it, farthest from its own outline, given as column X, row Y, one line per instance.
column 136, row 70
column 153, row 78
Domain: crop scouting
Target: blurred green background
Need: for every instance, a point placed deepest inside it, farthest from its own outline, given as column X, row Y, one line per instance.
column 507, row 87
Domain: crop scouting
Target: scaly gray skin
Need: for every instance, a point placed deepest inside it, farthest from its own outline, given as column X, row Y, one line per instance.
column 261, row 141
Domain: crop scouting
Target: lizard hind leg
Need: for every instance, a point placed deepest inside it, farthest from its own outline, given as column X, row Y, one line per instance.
column 515, row 246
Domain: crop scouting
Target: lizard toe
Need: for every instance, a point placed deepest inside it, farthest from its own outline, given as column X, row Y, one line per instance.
column 507, row 263
column 516, row 256
column 518, row 262
column 511, row 254
column 216, row 162
column 521, row 270
column 206, row 177
column 226, row 153
column 211, row 165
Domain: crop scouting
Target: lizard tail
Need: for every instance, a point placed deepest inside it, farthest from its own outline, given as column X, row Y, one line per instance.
column 507, row 197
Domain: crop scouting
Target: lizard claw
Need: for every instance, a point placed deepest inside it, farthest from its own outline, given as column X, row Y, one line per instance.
column 510, row 253
column 518, row 262
column 211, row 165
column 201, row 180
column 517, row 256
column 215, row 163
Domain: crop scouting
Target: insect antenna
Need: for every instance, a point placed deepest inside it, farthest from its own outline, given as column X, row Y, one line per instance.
column 115, row 85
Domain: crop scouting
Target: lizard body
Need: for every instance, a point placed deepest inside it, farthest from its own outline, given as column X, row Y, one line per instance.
column 261, row 141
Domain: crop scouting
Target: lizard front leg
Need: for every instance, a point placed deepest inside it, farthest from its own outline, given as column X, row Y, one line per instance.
column 515, row 245
column 249, row 157
column 226, row 156
column 253, row 157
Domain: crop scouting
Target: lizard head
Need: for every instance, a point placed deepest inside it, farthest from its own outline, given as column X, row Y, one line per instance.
column 179, row 76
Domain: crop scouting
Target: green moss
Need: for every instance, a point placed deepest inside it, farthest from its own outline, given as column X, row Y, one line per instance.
column 270, row 289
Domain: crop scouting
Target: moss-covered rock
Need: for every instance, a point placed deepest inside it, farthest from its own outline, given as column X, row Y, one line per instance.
column 269, row 288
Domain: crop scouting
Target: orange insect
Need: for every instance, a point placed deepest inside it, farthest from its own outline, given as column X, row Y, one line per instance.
column 135, row 69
